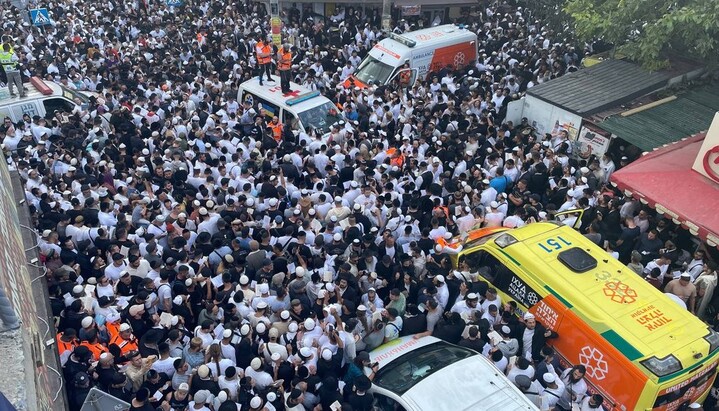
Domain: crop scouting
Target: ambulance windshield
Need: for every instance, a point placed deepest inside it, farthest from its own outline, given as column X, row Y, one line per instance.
column 373, row 71
column 320, row 118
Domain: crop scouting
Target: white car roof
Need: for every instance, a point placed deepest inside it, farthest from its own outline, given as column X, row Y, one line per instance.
column 273, row 94
column 471, row 384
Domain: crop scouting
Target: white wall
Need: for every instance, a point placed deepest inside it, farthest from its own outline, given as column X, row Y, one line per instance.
column 543, row 116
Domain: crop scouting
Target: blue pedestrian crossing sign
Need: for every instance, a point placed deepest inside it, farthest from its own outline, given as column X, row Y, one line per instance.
column 40, row 17
column 174, row 3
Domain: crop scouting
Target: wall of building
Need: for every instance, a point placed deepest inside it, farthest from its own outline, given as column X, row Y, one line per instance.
column 543, row 116
column 27, row 291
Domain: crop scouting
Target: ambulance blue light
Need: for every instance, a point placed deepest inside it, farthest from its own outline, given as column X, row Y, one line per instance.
column 302, row 97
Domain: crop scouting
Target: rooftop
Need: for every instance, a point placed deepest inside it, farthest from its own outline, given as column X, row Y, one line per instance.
column 599, row 87
column 688, row 114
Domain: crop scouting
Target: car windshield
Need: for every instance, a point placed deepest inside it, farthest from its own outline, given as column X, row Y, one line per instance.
column 406, row 371
column 373, row 71
column 319, row 118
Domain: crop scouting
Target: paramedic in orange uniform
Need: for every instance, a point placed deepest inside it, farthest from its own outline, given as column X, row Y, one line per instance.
column 284, row 64
column 405, row 76
column 276, row 127
column 263, row 51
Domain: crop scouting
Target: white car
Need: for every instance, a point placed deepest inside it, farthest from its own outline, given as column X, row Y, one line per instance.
column 429, row 374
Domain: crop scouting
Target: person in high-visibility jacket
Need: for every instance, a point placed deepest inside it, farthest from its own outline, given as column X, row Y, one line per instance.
column 284, row 64
column 93, row 344
column 263, row 50
column 122, row 340
column 66, row 342
column 11, row 64
column 276, row 127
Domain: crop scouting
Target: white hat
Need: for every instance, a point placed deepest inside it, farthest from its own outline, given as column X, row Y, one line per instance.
column 549, row 377
column 256, row 402
column 361, row 307
column 584, row 179
column 327, row 354
column 330, row 287
column 337, row 237
column 275, row 356
column 338, row 199
column 309, row 324
column 244, row 280
column 439, row 278
column 528, row 316
column 262, row 305
column 293, row 327
column 494, row 204
column 321, row 294
column 300, row 272
column 506, row 329
column 305, row 352
column 86, row 322
column 256, row 363
column 260, row 327
column 227, row 334
column 183, row 387
column 177, row 300
column 273, row 202
column 285, row 315
column 472, row 296
column 188, row 282
column 245, row 329
column 694, row 406
column 203, row 371
column 78, row 289
column 125, row 327
column 584, row 170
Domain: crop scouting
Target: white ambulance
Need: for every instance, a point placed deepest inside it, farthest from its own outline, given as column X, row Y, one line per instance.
column 427, row 51
column 428, row 374
column 42, row 99
column 305, row 108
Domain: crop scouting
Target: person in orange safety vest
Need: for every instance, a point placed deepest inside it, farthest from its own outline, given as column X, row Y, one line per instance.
column 121, row 340
column 284, row 64
column 276, row 127
column 263, row 51
column 66, row 342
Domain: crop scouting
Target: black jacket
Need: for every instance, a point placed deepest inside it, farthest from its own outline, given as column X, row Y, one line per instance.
column 539, row 341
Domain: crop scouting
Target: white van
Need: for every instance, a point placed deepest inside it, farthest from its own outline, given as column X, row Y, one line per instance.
column 307, row 109
column 42, row 99
column 427, row 51
column 429, row 374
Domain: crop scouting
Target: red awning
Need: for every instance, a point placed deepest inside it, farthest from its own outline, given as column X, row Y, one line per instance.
column 664, row 180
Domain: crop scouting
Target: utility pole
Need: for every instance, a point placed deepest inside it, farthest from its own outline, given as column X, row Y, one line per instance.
column 387, row 16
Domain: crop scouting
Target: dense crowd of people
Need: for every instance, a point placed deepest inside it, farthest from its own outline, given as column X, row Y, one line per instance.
column 196, row 262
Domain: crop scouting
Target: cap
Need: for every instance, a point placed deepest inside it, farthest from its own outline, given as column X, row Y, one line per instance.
column 183, row 387
column 274, row 333
column 227, row 334
column 86, row 322
column 78, row 289
column 309, row 324
column 201, row 396
column 528, row 316
column 203, row 371
column 285, row 315
column 506, row 329
column 255, row 402
column 685, row 276
column 306, row 352
column 548, row 377
column 261, row 305
column 439, row 278
column 361, row 307
column 337, row 237
column 494, row 204
column 472, row 296
column 244, row 280
column 125, row 327
column 256, row 363
column 522, row 381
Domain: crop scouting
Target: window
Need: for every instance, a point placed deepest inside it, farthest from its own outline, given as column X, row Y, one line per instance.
column 287, row 115
column 484, row 263
column 320, row 118
column 385, row 403
column 403, row 373
column 57, row 104
column 373, row 71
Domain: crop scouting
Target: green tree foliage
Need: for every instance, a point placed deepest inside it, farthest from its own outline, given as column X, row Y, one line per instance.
column 649, row 31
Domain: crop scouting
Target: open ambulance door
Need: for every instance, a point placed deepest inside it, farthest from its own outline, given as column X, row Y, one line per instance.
column 572, row 218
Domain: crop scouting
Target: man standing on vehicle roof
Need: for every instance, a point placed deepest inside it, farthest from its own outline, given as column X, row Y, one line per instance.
column 263, row 49
column 284, row 64
column 10, row 63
